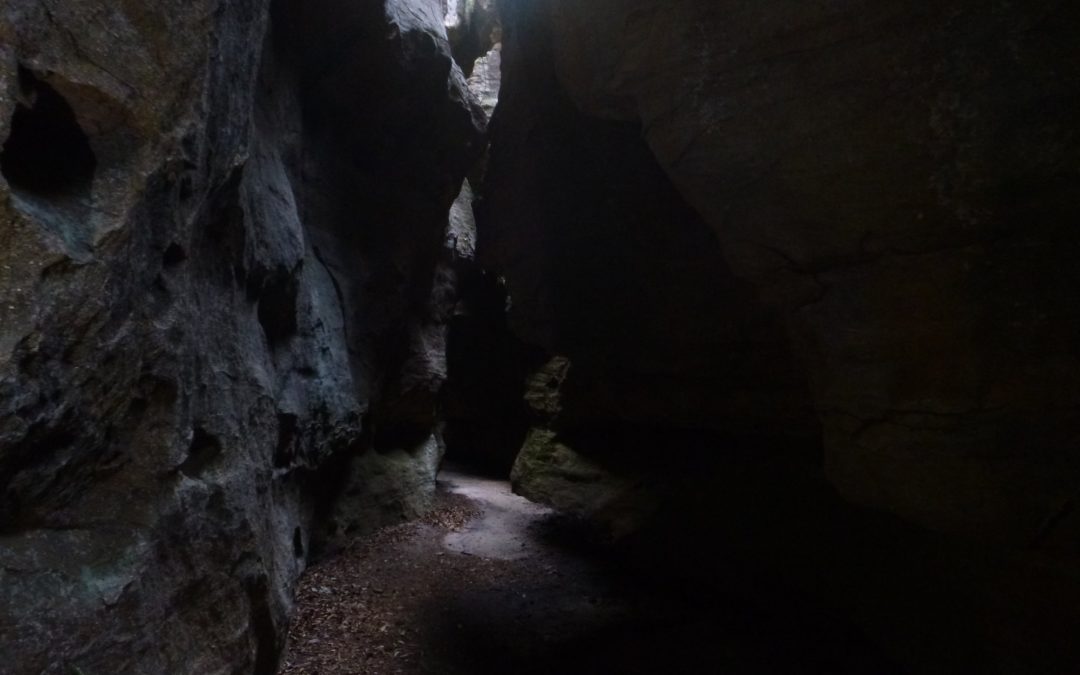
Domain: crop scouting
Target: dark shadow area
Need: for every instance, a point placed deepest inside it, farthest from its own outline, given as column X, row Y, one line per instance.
column 46, row 154
column 49, row 163
column 487, row 366
column 599, row 615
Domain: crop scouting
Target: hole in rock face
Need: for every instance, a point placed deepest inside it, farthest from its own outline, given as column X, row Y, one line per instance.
column 277, row 307
column 46, row 153
column 263, row 629
column 287, row 436
column 298, row 543
column 174, row 255
column 205, row 448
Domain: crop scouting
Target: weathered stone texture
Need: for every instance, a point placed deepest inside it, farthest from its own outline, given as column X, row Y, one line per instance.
column 827, row 247
column 898, row 180
column 214, row 292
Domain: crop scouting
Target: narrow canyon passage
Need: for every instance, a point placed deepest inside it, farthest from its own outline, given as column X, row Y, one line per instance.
column 487, row 337
column 489, row 583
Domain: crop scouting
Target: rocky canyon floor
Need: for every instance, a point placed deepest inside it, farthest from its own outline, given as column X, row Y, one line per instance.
column 491, row 583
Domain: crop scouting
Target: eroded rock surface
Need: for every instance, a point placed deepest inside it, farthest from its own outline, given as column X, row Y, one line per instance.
column 896, row 180
column 608, row 266
column 217, row 297
column 876, row 197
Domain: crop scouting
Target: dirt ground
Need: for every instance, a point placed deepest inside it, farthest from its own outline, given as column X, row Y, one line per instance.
column 492, row 584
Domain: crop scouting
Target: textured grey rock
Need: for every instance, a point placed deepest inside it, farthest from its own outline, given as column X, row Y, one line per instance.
column 609, row 266
column 461, row 233
column 614, row 498
column 486, row 79
column 921, row 276
column 388, row 486
column 895, row 179
column 887, row 187
column 214, row 288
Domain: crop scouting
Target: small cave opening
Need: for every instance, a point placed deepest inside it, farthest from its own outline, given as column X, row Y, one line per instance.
column 204, row 450
column 277, row 307
column 47, row 154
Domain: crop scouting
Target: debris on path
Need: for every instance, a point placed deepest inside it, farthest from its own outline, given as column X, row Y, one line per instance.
column 489, row 584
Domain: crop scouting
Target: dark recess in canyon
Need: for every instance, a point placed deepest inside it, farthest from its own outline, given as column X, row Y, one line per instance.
column 774, row 303
column 46, row 152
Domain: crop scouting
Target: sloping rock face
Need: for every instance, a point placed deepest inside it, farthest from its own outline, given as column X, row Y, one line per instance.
column 609, row 267
column 897, row 181
column 220, row 308
column 876, row 197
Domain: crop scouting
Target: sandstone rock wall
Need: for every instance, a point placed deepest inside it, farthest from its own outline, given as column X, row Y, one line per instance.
column 740, row 221
column 219, row 301
column 609, row 267
column 897, row 180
